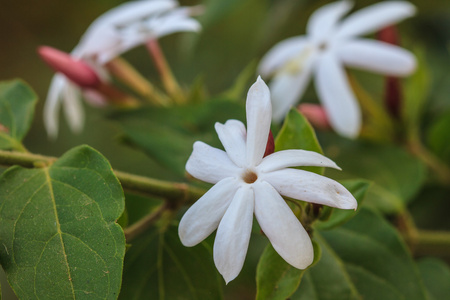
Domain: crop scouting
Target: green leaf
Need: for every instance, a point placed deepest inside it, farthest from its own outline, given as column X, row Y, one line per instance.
column 436, row 277
column 328, row 279
column 416, row 91
column 58, row 231
column 439, row 137
column 365, row 258
column 297, row 133
column 358, row 188
column 168, row 134
column 158, row 266
column 17, row 102
column 275, row 278
column 397, row 175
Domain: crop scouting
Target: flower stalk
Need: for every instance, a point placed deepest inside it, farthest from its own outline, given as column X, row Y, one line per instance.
column 170, row 83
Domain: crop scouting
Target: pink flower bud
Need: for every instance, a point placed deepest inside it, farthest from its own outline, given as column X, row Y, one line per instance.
column 270, row 147
column 76, row 70
column 316, row 115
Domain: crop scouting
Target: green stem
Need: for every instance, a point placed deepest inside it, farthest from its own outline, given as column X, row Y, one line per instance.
column 143, row 224
column 428, row 242
column 439, row 168
column 176, row 193
column 423, row 242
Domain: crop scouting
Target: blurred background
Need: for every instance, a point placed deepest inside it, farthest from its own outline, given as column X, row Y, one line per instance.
column 236, row 33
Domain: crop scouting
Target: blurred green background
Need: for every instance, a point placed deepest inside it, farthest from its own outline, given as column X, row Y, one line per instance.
column 236, row 33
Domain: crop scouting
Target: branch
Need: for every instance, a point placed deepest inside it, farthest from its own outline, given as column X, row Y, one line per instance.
column 176, row 193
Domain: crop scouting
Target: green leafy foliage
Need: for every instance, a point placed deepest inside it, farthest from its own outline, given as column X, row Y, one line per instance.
column 416, row 91
column 17, row 101
column 436, row 277
column 297, row 133
column 58, row 231
column 167, row 134
column 275, row 278
column 158, row 266
column 397, row 176
column 439, row 137
column 363, row 259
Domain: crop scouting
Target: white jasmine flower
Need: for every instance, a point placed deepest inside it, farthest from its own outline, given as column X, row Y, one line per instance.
column 329, row 45
column 132, row 24
column 113, row 33
column 247, row 183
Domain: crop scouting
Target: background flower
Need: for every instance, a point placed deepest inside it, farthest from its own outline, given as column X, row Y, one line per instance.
column 328, row 46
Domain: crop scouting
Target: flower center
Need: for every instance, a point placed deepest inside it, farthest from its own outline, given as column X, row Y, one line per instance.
column 323, row 46
column 249, row 176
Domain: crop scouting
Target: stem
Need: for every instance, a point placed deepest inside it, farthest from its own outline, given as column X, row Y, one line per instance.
column 440, row 169
column 132, row 78
column 144, row 223
column 176, row 193
column 428, row 242
column 170, row 83
column 423, row 242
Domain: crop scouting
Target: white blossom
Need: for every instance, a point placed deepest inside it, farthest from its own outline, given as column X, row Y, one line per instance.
column 246, row 183
column 113, row 33
column 331, row 44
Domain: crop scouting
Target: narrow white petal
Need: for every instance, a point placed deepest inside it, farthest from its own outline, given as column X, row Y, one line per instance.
column 259, row 115
column 279, row 224
column 337, row 97
column 323, row 21
column 133, row 11
column 180, row 25
column 287, row 88
column 280, row 54
column 203, row 217
column 53, row 104
column 377, row 56
column 210, row 164
column 73, row 108
column 232, row 134
column 294, row 158
column 375, row 17
column 233, row 234
column 310, row 187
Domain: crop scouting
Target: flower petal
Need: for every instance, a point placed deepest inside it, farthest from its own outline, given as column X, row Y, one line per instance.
column 175, row 21
column 133, row 11
column 336, row 95
column 53, row 104
column 279, row 224
column 210, row 164
column 232, row 134
column 287, row 88
column 203, row 217
column 73, row 109
column 233, row 234
column 310, row 187
column 281, row 53
column 259, row 115
column 294, row 158
column 322, row 22
column 375, row 17
column 377, row 57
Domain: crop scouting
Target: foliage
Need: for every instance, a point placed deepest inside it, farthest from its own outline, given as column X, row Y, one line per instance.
column 68, row 230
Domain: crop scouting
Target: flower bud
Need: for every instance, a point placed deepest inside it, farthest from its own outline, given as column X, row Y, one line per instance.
column 316, row 115
column 76, row 70
column 270, row 147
